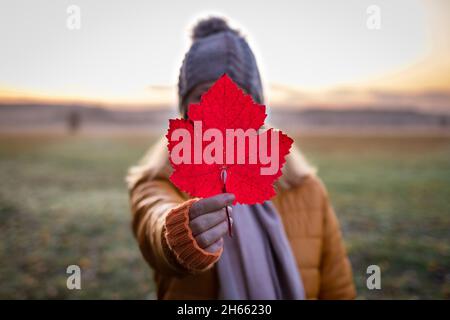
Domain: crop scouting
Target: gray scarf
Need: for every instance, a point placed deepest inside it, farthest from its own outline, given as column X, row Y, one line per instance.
column 257, row 262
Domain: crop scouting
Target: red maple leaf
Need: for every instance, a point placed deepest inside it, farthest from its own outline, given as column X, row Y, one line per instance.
column 225, row 106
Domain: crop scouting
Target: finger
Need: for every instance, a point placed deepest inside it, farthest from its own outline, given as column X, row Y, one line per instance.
column 210, row 236
column 211, row 204
column 215, row 246
column 207, row 221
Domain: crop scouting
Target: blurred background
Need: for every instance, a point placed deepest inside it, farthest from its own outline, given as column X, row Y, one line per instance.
column 362, row 86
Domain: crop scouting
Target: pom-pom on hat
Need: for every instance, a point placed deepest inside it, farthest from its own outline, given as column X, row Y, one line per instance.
column 218, row 49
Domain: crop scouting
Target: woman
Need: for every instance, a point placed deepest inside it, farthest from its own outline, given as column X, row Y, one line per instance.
column 287, row 248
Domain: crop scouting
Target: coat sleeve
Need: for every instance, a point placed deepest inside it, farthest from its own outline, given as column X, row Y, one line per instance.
column 151, row 201
column 335, row 268
column 160, row 221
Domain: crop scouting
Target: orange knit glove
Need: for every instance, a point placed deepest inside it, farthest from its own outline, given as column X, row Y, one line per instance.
column 182, row 242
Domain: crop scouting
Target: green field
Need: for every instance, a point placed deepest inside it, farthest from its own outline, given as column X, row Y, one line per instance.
column 63, row 201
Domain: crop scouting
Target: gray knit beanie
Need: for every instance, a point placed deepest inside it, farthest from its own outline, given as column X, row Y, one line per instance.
column 218, row 49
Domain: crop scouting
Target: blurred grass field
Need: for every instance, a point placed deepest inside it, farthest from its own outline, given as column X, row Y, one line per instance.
column 63, row 201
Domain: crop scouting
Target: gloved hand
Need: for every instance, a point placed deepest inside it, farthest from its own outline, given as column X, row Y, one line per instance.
column 208, row 221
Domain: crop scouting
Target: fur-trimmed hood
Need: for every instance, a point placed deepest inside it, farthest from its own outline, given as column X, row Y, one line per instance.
column 155, row 164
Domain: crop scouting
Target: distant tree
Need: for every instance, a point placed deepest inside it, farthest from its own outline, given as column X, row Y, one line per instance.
column 443, row 121
column 73, row 121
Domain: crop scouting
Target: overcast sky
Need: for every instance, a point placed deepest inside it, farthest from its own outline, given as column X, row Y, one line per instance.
column 130, row 51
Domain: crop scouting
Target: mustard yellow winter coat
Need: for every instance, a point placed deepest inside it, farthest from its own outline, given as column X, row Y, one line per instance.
column 302, row 202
